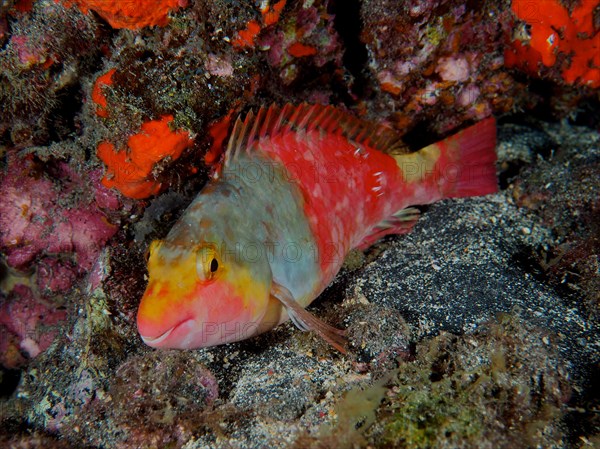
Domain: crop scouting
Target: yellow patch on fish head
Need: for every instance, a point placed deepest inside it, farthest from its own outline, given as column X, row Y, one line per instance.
column 197, row 297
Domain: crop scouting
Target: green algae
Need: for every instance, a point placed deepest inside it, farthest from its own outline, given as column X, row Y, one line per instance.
column 502, row 387
column 427, row 414
column 435, row 32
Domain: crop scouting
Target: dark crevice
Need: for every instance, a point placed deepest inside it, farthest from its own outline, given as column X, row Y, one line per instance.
column 5, row 38
column 419, row 136
column 508, row 174
column 583, row 417
column 9, row 380
column 348, row 24
column 70, row 102
column 587, row 113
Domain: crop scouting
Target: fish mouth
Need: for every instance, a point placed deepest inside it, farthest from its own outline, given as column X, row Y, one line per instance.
column 155, row 341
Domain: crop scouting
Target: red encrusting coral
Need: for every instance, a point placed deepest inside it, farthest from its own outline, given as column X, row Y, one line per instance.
column 437, row 63
column 98, row 96
column 245, row 37
column 132, row 15
column 270, row 16
column 24, row 6
column 298, row 50
column 131, row 171
column 554, row 31
column 306, row 32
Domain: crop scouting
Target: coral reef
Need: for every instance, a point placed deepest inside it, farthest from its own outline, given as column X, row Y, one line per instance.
column 497, row 388
column 166, row 389
column 270, row 15
column 27, row 326
column 42, row 215
column 53, row 227
column 471, row 392
column 305, row 37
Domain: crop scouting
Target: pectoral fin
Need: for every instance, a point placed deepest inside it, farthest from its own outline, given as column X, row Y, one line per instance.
column 399, row 223
column 306, row 321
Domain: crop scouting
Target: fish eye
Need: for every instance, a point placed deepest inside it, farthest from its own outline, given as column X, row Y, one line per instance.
column 207, row 263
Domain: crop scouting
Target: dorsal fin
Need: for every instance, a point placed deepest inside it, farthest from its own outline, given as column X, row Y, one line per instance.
column 275, row 120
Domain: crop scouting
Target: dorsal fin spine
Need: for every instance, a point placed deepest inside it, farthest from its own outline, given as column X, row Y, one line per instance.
column 271, row 112
column 232, row 148
column 310, row 110
column 316, row 123
column 241, row 140
column 280, row 122
column 256, row 123
column 362, row 136
column 306, row 118
column 327, row 121
column 293, row 120
column 354, row 131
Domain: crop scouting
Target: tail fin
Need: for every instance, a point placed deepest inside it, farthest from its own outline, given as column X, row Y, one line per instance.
column 473, row 172
column 461, row 165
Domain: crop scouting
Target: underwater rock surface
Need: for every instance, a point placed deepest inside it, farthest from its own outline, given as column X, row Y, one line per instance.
column 478, row 329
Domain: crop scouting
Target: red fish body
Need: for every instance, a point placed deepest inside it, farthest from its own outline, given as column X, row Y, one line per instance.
column 299, row 188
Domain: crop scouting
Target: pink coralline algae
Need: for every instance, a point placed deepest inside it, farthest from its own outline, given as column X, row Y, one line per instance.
column 454, row 69
column 30, row 52
column 37, row 220
column 51, row 231
column 27, row 326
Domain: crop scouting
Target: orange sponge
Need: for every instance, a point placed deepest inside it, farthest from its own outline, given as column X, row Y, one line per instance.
column 97, row 94
column 554, row 30
column 130, row 14
column 131, row 171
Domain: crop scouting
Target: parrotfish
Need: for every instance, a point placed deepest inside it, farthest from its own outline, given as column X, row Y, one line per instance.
column 298, row 188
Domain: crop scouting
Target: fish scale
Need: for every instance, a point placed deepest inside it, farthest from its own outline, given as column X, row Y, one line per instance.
column 340, row 216
column 299, row 187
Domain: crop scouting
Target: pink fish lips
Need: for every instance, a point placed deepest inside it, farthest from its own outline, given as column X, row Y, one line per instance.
column 190, row 334
column 181, row 335
column 202, row 293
